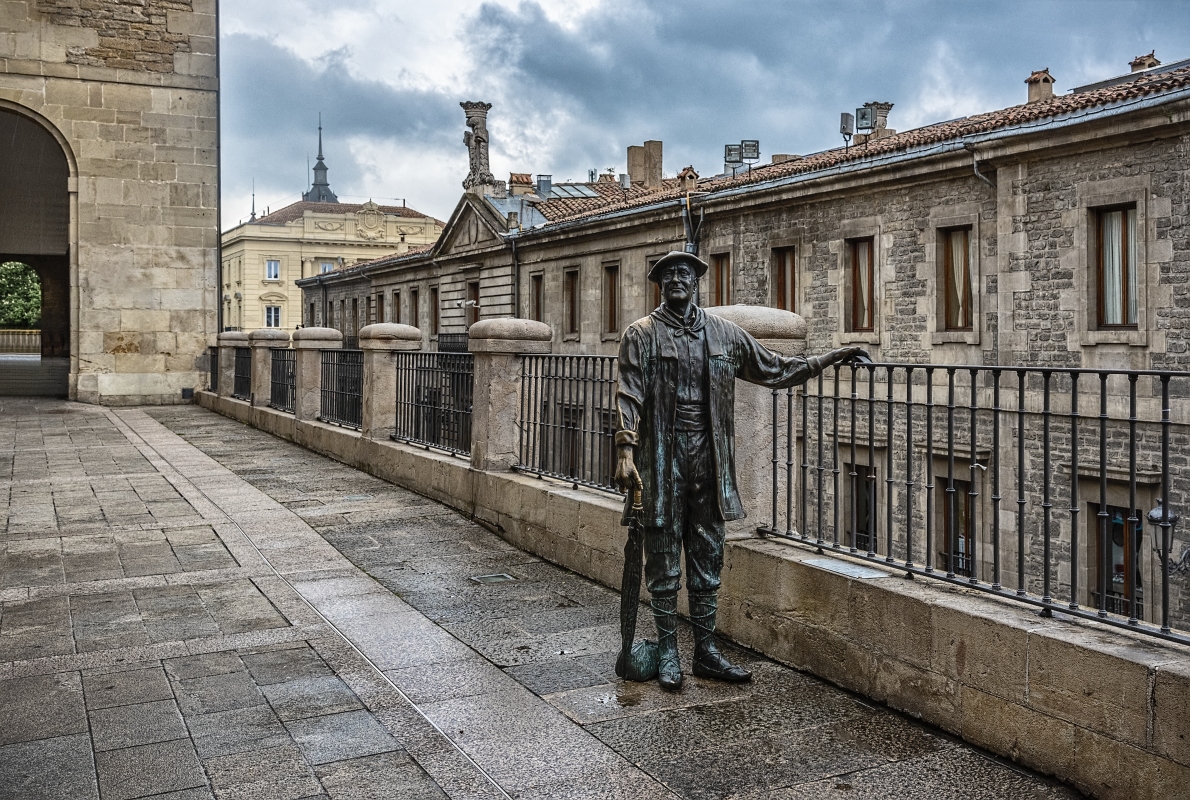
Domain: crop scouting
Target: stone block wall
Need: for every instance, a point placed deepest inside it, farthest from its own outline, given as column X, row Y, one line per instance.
column 129, row 92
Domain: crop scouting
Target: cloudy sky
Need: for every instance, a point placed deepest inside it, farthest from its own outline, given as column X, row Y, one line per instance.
column 574, row 82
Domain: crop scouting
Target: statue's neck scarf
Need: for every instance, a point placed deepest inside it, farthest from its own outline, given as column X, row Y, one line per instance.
column 694, row 322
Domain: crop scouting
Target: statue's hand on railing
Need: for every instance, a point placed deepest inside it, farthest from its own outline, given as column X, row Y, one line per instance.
column 844, row 355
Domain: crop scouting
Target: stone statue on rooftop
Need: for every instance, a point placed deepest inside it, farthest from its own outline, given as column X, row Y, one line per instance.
column 476, row 141
column 675, row 460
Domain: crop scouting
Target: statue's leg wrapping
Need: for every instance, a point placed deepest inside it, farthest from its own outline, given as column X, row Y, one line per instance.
column 669, row 664
column 708, row 661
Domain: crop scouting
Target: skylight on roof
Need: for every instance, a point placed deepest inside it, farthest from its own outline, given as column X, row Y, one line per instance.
column 572, row 190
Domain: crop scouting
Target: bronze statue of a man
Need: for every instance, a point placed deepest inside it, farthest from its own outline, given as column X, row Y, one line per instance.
column 675, row 444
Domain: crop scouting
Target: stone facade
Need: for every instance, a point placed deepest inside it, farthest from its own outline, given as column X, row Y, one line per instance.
column 128, row 92
column 306, row 239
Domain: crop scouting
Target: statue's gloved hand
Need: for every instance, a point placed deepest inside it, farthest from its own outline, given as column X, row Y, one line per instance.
column 845, row 354
column 627, row 478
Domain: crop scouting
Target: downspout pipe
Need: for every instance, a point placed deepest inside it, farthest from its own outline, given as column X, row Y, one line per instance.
column 975, row 164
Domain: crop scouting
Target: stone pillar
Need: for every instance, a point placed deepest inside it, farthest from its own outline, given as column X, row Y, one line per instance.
column 262, row 341
column 496, row 343
column 783, row 332
column 307, row 368
column 228, row 341
column 380, row 343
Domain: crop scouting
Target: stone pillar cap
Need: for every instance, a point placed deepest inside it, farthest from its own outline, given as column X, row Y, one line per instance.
column 763, row 322
column 389, row 336
column 269, row 336
column 390, row 330
column 231, row 337
column 317, row 335
column 511, row 328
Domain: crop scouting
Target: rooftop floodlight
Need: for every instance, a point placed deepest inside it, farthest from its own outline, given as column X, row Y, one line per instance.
column 847, row 128
column 733, row 154
column 750, row 150
column 865, row 119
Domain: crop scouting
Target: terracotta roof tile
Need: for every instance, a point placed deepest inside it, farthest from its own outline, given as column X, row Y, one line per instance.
column 613, row 199
column 295, row 211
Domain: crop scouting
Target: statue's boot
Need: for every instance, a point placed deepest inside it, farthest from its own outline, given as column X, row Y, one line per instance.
column 708, row 661
column 669, row 665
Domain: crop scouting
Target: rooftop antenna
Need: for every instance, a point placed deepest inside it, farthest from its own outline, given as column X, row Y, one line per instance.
column 253, row 200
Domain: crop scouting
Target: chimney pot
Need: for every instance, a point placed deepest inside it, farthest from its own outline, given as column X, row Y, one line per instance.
column 1141, row 63
column 1041, row 86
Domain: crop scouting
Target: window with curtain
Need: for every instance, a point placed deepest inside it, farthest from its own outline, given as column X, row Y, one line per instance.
column 783, row 278
column 956, row 245
column 611, row 298
column 721, row 279
column 1118, row 291
column 537, row 298
column 863, row 314
column 570, row 291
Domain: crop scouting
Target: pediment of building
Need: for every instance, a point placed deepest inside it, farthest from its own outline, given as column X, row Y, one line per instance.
column 468, row 229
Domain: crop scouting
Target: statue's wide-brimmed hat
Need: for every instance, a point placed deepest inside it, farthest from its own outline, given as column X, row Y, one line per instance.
column 674, row 257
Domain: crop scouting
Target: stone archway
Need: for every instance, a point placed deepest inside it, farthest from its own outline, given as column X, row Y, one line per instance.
column 35, row 230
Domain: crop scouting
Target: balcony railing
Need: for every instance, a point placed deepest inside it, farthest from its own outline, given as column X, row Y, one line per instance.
column 242, row 384
column 343, row 388
column 283, row 384
column 20, row 341
column 568, row 419
column 452, row 342
column 434, row 399
column 1029, row 484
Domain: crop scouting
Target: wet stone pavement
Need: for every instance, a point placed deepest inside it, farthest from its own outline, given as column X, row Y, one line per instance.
column 190, row 608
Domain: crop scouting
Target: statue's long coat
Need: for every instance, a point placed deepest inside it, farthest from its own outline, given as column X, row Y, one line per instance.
column 647, row 401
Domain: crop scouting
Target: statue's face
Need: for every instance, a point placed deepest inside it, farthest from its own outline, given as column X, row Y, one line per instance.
column 677, row 282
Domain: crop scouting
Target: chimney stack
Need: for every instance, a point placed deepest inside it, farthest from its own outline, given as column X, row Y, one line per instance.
column 644, row 164
column 545, row 184
column 880, row 114
column 1041, row 86
column 1141, row 63
column 687, row 179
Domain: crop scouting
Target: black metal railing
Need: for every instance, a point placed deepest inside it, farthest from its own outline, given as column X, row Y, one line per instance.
column 213, row 369
column 283, row 384
column 343, row 388
column 452, row 342
column 568, row 419
column 241, row 386
column 434, row 394
column 1026, row 483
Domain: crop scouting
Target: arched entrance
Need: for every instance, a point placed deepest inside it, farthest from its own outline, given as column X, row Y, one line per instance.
column 34, row 231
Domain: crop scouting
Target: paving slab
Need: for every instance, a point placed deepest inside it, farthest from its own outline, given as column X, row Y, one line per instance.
column 203, row 611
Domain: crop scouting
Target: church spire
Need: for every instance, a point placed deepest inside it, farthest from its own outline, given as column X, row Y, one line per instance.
column 320, row 190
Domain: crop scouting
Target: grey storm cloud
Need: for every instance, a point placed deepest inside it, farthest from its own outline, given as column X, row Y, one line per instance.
column 271, row 102
column 695, row 74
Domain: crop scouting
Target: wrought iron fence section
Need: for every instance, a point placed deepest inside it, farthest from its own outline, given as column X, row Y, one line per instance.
column 213, row 369
column 241, row 386
column 342, row 400
column 568, row 418
column 1026, row 483
column 452, row 342
column 434, row 399
column 283, row 383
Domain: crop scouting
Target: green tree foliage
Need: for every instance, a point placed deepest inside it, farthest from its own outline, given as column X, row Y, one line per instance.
column 20, row 296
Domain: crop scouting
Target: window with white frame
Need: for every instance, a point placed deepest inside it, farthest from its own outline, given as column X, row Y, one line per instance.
column 326, row 266
column 272, row 270
column 272, row 316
